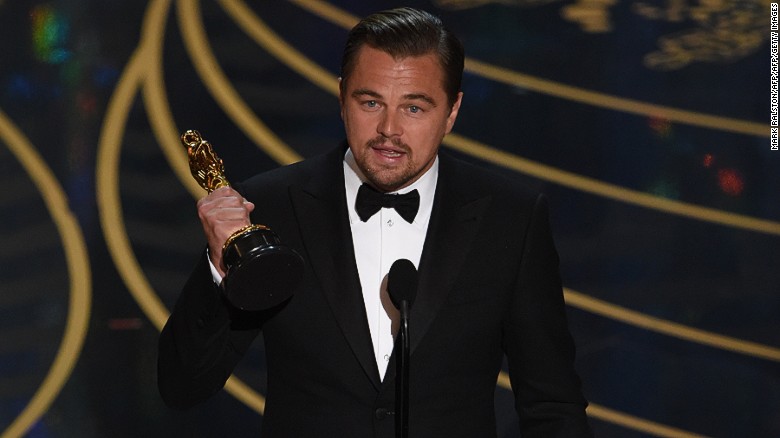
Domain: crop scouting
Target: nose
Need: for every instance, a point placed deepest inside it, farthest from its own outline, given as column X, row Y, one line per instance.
column 389, row 124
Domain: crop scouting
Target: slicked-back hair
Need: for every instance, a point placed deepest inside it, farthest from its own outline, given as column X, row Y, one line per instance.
column 405, row 32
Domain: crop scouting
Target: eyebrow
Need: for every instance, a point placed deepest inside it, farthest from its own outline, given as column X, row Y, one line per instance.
column 420, row 96
column 360, row 92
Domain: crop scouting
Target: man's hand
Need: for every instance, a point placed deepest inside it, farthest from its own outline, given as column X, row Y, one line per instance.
column 222, row 212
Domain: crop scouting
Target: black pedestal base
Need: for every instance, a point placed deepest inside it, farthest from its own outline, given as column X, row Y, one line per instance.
column 262, row 273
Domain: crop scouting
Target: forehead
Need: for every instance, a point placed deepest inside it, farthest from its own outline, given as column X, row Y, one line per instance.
column 376, row 68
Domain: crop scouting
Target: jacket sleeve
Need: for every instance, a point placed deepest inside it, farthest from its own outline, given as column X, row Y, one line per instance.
column 539, row 347
column 202, row 341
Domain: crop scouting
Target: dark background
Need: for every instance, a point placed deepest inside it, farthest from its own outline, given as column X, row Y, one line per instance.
column 97, row 225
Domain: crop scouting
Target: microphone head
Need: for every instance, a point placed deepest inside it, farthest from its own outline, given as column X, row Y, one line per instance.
column 402, row 282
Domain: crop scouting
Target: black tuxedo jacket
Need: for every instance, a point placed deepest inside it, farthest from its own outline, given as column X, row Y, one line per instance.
column 488, row 287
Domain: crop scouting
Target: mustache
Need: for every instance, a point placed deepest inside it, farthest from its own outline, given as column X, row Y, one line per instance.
column 380, row 140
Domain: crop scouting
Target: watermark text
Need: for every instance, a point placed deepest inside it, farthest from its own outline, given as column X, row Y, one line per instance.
column 774, row 48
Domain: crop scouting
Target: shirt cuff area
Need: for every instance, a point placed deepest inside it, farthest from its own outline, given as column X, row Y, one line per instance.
column 214, row 272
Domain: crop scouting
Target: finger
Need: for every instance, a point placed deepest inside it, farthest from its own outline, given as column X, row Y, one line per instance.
column 226, row 208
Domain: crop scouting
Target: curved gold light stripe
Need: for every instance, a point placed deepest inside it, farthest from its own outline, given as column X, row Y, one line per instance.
column 621, row 418
column 254, row 27
column 636, row 423
column 606, row 190
column 658, row 325
column 108, row 157
column 614, row 103
column 108, row 191
column 329, row 12
column 252, row 24
column 161, row 118
column 557, row 89
column 221, row 90
column 78, row 270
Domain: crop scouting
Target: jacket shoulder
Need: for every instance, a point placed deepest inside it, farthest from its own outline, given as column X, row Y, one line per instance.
column 279, row 179
column 486, row 181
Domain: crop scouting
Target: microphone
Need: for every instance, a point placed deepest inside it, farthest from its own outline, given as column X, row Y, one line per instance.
column 402, row 283
column 402, row 288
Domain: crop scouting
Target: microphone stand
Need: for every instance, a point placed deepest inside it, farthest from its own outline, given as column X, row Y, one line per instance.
column 402, row 288
column 402, row 375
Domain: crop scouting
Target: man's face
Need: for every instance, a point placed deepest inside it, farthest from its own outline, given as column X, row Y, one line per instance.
column 395, row 114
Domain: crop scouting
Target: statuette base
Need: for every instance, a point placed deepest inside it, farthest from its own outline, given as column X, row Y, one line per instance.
column 262, row 273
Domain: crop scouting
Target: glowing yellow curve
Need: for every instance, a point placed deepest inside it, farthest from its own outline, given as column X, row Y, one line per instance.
column 107, row 184
column 80, row 301
column 658, row 325
column 108, row 157
column 221, row 90
column 161, row 119
column 621, row 418
column 610, row 191
column 557, row 89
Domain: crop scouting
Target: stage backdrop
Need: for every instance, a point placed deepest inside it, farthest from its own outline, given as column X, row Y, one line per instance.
column 647, row 122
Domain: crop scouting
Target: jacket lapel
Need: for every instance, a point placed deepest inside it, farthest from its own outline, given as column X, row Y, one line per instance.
column 457, row 212
column 320, row 207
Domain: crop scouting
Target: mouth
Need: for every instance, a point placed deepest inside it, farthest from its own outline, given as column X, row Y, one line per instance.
column 388, row 150
column 389, row 153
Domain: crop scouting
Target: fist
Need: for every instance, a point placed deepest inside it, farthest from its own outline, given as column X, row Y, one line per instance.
column 221, row 213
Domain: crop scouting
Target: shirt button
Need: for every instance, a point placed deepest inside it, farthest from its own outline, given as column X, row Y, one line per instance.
column 387, row 357
column 390, row 222
column 382, row 413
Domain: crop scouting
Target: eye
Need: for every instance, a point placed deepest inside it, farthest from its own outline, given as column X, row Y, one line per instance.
column 414, row 109
column 371, row 103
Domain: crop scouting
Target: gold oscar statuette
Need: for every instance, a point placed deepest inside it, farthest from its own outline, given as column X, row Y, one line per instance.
column 261, row 271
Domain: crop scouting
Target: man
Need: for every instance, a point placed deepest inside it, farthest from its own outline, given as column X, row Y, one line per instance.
column 488, row 270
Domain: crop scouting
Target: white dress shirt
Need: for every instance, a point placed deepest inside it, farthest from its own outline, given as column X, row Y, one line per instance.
column 384, row 238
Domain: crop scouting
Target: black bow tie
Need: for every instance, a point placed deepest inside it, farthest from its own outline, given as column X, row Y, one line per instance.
column 369, row 201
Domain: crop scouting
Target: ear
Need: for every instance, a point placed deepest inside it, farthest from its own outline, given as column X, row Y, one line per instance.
column 453, row 113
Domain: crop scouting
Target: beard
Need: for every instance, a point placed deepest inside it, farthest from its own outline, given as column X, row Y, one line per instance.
column 384, row 177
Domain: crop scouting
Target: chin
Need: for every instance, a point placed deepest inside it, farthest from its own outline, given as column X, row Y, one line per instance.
column 390, row 184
